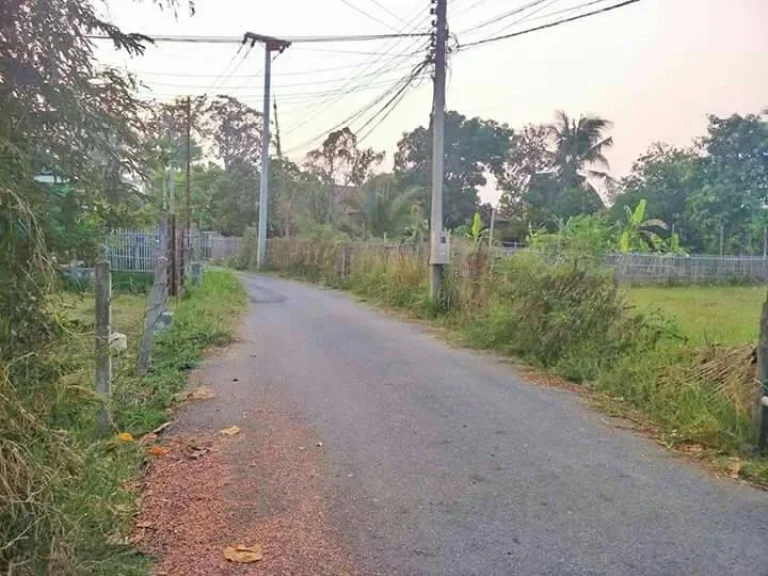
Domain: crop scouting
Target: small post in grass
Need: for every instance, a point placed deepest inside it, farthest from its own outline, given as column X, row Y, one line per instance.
column 761, row 411
column 157, row 305
column 103, row 288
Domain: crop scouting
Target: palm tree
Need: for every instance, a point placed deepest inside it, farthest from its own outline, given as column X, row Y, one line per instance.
column 579, row 148
column 382, row 207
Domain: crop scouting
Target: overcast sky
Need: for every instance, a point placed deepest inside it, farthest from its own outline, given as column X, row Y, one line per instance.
column 655, row 68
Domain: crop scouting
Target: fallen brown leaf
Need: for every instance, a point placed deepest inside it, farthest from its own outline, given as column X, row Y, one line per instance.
column 158, row 450
column 231, row 431
column 201, row 393
column 243, row 554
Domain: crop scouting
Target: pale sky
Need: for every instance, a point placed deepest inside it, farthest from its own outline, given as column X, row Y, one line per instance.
column 655, row 68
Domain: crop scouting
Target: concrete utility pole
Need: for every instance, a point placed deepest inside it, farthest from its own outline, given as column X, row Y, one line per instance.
column 270, row 45
column 439, row 254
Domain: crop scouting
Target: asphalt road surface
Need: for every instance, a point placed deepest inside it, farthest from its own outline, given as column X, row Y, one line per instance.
column 444, row 461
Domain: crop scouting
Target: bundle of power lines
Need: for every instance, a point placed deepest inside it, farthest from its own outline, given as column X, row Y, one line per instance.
column 402, row 63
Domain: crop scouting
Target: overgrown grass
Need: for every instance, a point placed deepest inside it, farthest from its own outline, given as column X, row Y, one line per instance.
column 67, row 497
column 724, row 315
column 571, row 320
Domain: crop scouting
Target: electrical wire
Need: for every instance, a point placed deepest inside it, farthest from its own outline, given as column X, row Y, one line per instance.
column 290, row 96
column 326, row 103
column 548, row 25
column 501, row 17
column 288, row 84
column 242, row 39
column 468, row 8
column 400, row 92
column 394, row 104
column 369, row 16
column 388, row 11
column 358, row 113
column 567, row 10
column 274, row 74
column 226, row 68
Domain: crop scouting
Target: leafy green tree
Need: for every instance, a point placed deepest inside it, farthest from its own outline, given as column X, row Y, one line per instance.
column 734, row 184
column 473, row 148
column 235, row 130
column 665, row 176
column 528, row 157
column 340, row 162
column 63, row 114
column 384, row 207
column 545, row 179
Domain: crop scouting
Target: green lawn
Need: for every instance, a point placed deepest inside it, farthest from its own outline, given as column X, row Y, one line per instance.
column 721, row 314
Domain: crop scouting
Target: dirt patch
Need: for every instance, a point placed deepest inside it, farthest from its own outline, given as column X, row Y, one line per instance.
column 263, row 486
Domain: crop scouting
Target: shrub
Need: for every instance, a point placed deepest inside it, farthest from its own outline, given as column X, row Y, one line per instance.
column 568, row 317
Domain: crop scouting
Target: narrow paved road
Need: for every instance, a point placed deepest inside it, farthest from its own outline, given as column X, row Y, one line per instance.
column 443, row 461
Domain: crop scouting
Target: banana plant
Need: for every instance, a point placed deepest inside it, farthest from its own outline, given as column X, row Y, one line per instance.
column 476, row 231
column 638, row 233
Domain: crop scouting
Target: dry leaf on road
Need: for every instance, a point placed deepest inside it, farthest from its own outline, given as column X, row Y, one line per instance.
column 201, row 393
column 231, row 431
column 157, row 450
column 243, row 554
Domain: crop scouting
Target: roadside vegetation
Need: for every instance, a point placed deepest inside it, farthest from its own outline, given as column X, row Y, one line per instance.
column 695, row 392
column 68, row 497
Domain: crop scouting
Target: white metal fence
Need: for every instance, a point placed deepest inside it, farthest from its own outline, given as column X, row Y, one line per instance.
column 137, row 250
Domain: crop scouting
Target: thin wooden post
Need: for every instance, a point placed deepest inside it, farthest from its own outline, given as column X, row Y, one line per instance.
column 103, row 288
column 722, row 241
column 174, row 281
column 761, row 411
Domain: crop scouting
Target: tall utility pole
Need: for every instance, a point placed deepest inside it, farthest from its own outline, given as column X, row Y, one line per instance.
column 270, row 45
column 438, row 241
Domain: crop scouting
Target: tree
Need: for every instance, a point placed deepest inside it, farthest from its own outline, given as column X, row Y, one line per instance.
column 529, row 156
column 665, row 176
column 340, row 162
column 473, row 148
column 61, row 114
column 733, row 192
column 579, row 146
column 235, row 129
column 384, row 207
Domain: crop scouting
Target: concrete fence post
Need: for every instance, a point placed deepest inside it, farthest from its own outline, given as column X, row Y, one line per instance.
column 761, row 409
column 103, row 289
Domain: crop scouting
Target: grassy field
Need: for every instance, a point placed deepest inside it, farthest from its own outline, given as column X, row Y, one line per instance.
column 712, row 315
